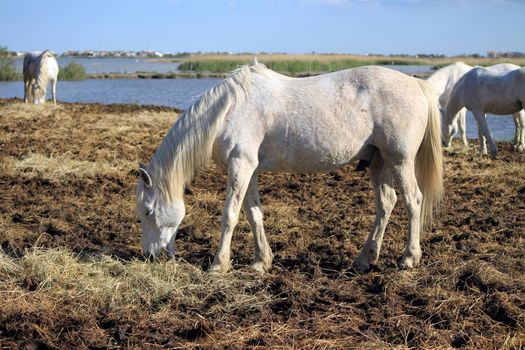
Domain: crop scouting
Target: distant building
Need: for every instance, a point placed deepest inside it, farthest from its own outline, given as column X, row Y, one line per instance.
column 120, row 53
column 496, row 54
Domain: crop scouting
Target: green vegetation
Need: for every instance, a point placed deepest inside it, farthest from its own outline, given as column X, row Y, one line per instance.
column 7, row 66
column 293, row 67
column 73, row 71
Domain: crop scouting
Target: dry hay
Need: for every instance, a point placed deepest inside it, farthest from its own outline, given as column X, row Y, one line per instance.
column 72, row 276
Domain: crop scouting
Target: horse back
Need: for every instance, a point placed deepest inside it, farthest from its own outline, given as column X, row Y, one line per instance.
column 324, row 122
column 491, row 91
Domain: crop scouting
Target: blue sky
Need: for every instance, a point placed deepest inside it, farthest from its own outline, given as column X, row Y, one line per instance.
column 294, row 26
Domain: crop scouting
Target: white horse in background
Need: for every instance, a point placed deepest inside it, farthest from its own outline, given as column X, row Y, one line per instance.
column 39, row 70
column 257, row 121
column 443, row 82
column 484, row 91
column 518, row 117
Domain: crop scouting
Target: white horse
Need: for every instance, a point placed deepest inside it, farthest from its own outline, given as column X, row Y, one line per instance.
column 443, row 82
column 518, row 117
column 39, row 70
column 484, row 91
column 257, row 120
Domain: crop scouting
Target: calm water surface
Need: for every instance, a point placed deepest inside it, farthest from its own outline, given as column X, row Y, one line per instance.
column 180, row 93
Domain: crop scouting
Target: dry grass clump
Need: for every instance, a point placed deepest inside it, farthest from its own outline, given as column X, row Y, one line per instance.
column 99, row 287
column 101, row 281
column 61, row 166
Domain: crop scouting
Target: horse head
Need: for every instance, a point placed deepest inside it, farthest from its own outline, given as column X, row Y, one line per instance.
column 39, row 93
column 448, row 128
column 159, row 216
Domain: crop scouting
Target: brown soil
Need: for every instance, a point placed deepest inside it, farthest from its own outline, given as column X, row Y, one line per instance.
column 468, row 292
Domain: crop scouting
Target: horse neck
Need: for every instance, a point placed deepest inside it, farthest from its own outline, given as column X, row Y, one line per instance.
column 439, row 79
column 454, row 105
column 189, row 143
column 42, row 75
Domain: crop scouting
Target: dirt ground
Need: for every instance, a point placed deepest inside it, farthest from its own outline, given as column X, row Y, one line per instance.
column 67, row 178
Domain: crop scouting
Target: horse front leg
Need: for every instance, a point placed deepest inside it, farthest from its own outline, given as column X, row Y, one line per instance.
column 240, row 171
column 29, row 96
column 519, row 134
column 484, row 128
column 482, row 142
column 405, row 177
column 385, row 200
column 254, row 214
column 54, row 90
column 462, row 125
column 26, row 90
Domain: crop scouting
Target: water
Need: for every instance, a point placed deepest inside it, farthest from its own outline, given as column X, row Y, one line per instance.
column 180, row 93
column 114, row 65
column 501, row 126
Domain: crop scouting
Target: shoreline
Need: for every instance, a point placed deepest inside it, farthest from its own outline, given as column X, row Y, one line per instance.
column 192, row 75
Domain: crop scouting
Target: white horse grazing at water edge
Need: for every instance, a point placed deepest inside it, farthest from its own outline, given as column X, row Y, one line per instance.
column 484, row 91
column 257, row 120
column 39, row 70
column 443, row 82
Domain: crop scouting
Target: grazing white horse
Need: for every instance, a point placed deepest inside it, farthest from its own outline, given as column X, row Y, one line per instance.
column 484, row 91
column 443, row 82
column 39, row 70
column 257, row 120
column 518, row 117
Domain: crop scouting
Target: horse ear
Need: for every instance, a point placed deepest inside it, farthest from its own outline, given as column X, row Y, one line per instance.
column 144, row 175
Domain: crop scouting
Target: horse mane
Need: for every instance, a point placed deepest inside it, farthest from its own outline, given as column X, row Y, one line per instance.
column 189, row 143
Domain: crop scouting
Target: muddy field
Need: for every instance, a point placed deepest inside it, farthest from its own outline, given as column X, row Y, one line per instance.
column 72, row 274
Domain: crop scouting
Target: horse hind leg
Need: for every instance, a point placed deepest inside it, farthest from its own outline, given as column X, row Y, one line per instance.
column 254, row 214
column 485, row 131
column 385, row 200
column 519, row 135
column 405, row 178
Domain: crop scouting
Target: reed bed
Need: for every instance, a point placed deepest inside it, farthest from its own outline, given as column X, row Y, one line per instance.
column 297, row 65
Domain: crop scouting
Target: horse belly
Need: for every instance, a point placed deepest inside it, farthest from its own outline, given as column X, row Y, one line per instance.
column 310, row 152
column 502, row 106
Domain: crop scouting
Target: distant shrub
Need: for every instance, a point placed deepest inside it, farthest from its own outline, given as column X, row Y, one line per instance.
column 73, row 71
column 7, row 66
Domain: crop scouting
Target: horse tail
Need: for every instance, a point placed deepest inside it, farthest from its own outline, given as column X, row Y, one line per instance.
column 429, row 158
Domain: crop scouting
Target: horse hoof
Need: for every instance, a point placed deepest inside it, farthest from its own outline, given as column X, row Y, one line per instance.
column 407, row 262
column 259, row 267
column 361, row 265
column 218, row 269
